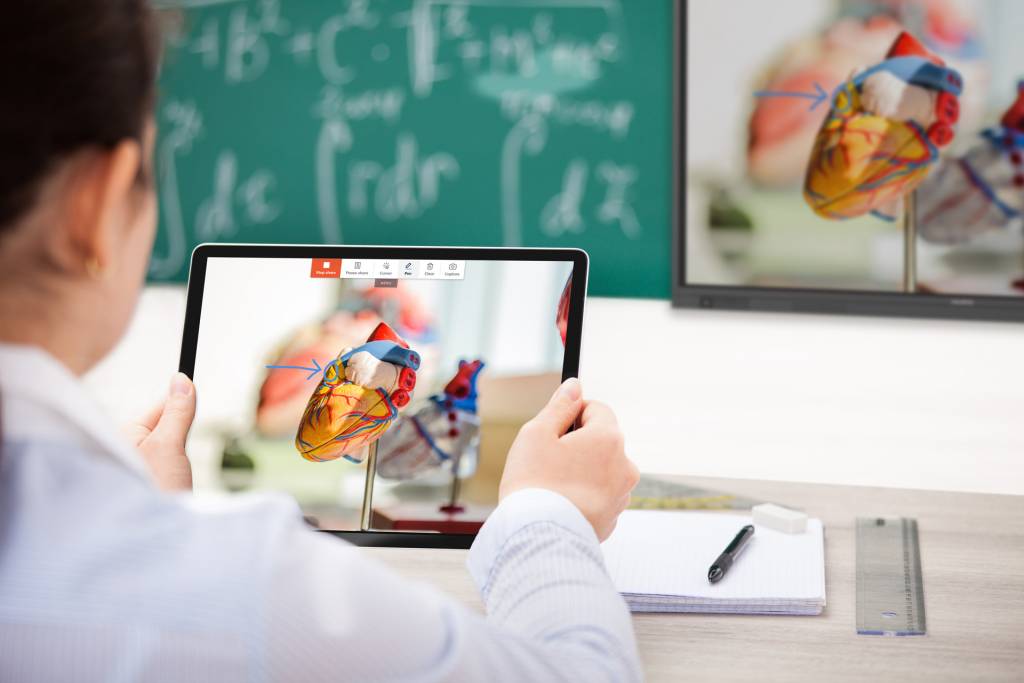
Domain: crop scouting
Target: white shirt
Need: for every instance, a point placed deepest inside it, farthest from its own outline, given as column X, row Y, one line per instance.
column 104, row 578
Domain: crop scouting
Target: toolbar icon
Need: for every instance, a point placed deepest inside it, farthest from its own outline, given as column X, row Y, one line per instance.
column 324, row 268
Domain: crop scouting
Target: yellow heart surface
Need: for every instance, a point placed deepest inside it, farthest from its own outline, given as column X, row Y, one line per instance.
column 862, row 163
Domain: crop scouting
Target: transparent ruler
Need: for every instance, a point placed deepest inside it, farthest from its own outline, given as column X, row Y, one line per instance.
column 890, row 591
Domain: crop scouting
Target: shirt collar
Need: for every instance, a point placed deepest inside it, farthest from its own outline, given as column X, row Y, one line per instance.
column 50, row 403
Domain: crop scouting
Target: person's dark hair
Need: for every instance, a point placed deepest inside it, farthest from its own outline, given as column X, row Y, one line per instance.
column 74, row 75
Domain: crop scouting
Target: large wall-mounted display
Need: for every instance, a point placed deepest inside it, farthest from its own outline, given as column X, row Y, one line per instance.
column 852, row 156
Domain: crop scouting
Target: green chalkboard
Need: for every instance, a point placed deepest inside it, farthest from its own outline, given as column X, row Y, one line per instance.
column 422, row 122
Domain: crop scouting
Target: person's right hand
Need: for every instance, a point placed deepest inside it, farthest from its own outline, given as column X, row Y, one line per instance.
column 588, row 466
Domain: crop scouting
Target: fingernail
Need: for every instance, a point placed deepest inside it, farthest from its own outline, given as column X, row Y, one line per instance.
column 571, row 389
column 181, row 385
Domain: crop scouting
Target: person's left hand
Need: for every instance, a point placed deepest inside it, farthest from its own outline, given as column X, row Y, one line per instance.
column 160, row 436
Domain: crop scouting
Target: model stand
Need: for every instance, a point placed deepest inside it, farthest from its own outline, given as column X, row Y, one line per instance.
column 910, row 243
column 366, row 515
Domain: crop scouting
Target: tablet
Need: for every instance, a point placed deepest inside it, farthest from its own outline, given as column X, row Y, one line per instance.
column 380, row 387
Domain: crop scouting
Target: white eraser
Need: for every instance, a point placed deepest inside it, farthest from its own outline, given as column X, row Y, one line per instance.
column 779, row 518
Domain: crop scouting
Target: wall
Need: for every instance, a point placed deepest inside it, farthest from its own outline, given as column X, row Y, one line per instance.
column 846, row 400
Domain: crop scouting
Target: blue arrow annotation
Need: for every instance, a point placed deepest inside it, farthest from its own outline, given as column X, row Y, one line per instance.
column 819, row 96
column 313, row 371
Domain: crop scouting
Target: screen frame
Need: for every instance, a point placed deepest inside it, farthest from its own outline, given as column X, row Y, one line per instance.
column 792, row 300
column 570, row 366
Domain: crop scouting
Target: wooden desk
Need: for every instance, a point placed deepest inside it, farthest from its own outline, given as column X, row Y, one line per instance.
column 972, row 549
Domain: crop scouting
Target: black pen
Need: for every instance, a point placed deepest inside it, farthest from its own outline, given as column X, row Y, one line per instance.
column 729, row 555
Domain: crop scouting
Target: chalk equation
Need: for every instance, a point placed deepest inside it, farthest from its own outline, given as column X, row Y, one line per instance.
column 324, row 118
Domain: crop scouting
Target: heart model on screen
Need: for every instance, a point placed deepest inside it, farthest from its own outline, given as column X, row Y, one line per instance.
column 445, row 431
column 883, row 133
column 358, row 398
column 981, row 189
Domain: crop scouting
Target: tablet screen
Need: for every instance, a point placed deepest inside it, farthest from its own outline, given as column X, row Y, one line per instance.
column 380, row 393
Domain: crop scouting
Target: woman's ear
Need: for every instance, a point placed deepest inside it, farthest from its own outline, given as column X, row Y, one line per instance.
column 101, row 202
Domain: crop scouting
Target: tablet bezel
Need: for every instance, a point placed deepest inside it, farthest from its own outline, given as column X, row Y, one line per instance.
column 570, row 366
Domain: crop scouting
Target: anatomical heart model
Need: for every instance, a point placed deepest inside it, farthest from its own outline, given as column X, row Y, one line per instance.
column 284, row 395
column 445, row 431
column 883, row 134
column 980, row 191
column 358, row 398
column 782, row 129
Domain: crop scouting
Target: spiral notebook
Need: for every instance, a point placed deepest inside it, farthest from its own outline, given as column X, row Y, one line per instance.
column 659, row 561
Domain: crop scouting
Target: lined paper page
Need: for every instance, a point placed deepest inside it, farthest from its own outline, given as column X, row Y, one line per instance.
column 666, row 555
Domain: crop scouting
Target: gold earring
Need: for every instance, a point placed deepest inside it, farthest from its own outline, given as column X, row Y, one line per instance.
column 95, row 270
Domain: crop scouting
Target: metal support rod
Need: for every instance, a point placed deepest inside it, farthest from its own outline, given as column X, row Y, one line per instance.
column 366, row 516
column 453, row 506
column 453, row 503
column 910, row 243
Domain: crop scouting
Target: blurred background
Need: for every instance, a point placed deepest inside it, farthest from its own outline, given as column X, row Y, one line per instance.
column 750, row 224
column 247, row 99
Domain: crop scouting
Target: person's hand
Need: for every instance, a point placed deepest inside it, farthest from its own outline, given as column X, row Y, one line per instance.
column 160, row 436
column 588, row 466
